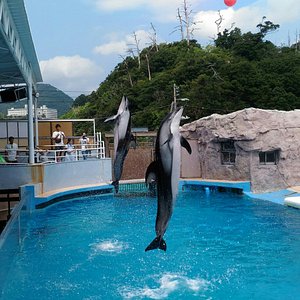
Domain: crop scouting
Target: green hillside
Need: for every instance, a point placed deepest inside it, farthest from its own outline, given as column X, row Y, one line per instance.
column 238, row 71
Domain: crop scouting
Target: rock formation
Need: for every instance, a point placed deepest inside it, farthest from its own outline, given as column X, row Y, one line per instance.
column 253, row 133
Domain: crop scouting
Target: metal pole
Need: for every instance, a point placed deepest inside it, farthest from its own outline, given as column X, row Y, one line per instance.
column 30, row 124
column 94, row 128
column 36, row 121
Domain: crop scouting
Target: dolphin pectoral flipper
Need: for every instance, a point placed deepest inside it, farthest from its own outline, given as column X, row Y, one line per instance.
column 159, row 243
column 185, row 144
column 112, row 118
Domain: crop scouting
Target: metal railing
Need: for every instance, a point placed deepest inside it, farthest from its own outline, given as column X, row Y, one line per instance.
column 48, row 154
column 92, row 151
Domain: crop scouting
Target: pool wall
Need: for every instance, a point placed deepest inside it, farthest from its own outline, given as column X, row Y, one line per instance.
column 52, row 176
column 33, row 199
column 11, row 239
column 287, row 197
column 243, row 186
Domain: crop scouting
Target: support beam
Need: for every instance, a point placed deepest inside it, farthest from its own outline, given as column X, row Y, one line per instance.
column 36, row 121
column 30, row 123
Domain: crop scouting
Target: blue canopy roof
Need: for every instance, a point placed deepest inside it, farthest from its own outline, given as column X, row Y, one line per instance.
column 18, row 59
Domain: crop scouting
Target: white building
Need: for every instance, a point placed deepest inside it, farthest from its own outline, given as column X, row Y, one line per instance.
column 43, row 112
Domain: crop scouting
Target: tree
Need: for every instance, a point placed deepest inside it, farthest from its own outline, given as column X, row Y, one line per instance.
column 266, row 27
column 80, row 100
column 185, row 24
column 228, row 38
column 241, row 70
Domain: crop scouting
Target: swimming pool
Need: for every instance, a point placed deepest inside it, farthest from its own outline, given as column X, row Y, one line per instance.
column 220, row 246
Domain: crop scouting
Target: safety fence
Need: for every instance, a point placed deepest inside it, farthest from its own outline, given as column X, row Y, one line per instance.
column 54, row 154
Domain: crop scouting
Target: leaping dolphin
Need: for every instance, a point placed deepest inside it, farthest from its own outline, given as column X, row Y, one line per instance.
column 122, row 138
column 166, row 168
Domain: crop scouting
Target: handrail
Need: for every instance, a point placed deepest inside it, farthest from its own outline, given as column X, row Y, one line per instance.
column 50, row 155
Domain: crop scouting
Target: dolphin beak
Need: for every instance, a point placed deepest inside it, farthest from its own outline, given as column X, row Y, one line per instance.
column 178, row 112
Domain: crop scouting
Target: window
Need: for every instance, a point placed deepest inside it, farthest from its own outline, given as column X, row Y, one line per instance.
column 269, row 157
column 228, row 153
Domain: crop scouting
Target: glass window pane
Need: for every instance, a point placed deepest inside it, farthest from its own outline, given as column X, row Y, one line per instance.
column 228, row 153
column 12, row 128
column 23, row 130
column 225, row 157
column 270, row 156
column 3, row 130
column 232, row 157
column 262, row 157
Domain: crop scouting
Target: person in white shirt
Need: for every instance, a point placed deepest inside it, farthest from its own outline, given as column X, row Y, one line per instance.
column 70, row 153
column 84, row 140
column 11, row 150
column 58, row 137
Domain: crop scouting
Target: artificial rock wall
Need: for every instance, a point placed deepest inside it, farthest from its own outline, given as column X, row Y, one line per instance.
column 253, row 131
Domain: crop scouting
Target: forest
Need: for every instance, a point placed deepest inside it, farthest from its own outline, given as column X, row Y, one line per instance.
column 239, row 70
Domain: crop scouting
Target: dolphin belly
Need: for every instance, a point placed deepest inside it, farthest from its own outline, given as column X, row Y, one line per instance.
column 122, row 138
column 167, row 172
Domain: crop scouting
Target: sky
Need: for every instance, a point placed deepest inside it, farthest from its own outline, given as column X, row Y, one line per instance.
column 79, row 42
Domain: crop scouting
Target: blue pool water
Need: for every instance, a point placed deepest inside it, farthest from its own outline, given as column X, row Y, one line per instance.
column 220, row 246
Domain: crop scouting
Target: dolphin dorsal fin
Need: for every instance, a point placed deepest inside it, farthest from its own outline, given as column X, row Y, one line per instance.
column 152, row 168
column 185, row 144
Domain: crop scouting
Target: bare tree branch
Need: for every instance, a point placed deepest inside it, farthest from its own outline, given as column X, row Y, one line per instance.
column 219, row 21
column 127, row 70
column 148, row 67
column 215, row 73
column 153, row 38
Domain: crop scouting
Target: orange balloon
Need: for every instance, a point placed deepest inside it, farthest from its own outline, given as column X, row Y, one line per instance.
column 229, row 2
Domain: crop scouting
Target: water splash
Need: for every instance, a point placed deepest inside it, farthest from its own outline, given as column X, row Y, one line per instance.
column 108, row 246
column 167, row 284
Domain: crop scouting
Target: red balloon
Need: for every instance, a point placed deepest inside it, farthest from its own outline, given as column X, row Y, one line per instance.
column 229, row 2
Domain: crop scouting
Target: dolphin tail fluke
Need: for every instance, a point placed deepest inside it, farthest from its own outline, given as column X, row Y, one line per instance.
column 116, row 185
column 157, row 243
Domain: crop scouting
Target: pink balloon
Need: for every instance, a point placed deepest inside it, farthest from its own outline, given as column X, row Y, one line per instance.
column 229, row 2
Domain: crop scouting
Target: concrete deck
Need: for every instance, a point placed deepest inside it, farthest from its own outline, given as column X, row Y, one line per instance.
column 44, row 199
column 275, row 197
column 295, row 188
column 72, row 189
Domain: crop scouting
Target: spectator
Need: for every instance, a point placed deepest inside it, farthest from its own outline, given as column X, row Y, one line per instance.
column 70, row 151
column 58, row 137
column 11, row 150
column 84, row 140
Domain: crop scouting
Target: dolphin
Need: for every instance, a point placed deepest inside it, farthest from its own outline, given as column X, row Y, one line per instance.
column 166, row 167
column 122, row 138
